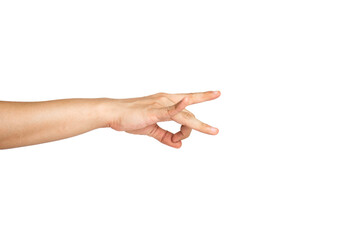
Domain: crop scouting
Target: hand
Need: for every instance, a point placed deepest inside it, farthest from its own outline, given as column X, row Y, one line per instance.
column 140, row 115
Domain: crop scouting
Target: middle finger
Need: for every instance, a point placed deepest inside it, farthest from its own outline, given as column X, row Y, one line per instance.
column 188, row 119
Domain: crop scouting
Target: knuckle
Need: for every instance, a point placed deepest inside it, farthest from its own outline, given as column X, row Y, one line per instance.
column 169, row 111
column 160, row 94
column 186, row 134
column 154, row 131
column 162, row 99
column 188, row 115
column 156, row 105
column 163, row 137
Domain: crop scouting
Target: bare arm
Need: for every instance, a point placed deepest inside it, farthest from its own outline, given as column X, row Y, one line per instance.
column 28, row 123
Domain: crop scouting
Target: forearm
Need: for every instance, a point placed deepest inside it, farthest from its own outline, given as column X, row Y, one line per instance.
column 28, row 123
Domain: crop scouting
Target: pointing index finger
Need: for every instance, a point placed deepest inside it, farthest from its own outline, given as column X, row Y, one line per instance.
column 197, row 97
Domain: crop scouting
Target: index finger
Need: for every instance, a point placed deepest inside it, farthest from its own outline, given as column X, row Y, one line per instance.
column 194, row 98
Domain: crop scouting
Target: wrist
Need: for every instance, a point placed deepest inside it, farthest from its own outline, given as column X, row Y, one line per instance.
column 110, row 112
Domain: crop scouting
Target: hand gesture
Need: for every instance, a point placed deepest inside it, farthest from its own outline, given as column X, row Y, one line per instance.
column 141, row 115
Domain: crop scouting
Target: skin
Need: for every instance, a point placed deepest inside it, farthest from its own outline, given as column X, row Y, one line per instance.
column 29, row 123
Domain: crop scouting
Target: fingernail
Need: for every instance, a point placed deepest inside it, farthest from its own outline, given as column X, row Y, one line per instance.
column 216, row 92
column 214, row 130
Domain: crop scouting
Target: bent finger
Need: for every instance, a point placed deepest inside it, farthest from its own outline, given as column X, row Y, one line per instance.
column 164, row 137
column 182, row 134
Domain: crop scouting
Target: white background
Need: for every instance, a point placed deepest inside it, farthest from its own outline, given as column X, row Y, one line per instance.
column 285, row 164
